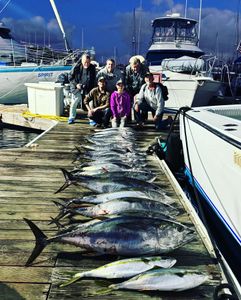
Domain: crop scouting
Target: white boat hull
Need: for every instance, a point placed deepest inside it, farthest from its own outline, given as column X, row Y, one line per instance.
column 12, row 80
column 212, row 142
column 188, row 90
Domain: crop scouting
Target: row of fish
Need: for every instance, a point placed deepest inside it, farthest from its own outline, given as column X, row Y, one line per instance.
column 130, row 215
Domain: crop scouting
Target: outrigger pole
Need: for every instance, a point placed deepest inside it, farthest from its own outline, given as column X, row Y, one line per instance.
column 60, row 25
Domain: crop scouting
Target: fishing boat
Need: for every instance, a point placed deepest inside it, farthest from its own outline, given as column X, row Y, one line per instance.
column 175, row 58
column 211, row 139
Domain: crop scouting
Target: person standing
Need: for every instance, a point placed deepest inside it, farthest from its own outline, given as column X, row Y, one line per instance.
column 97, row 102
column 120, row 105
column 134, row 77
column 111, row 74
column 82, row 80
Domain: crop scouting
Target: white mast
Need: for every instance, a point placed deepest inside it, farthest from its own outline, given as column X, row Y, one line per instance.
column 199, row 22
column 60, row 25
column 185, row 13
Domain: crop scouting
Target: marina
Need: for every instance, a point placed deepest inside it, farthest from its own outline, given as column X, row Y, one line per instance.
column 120, row 180
column 29, row 178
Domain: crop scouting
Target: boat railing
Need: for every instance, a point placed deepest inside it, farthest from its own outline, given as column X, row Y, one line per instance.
column 201, row 66
column 14, row 54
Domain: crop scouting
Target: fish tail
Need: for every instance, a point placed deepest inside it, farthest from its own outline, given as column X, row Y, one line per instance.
column 72, row 280
column 68, row 180
column 40, row 243
column 59, row 205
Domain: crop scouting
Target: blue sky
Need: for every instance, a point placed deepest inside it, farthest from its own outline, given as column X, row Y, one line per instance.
column 107, row 25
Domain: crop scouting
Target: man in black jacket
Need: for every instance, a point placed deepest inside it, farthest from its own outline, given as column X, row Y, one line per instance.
column 82, row 80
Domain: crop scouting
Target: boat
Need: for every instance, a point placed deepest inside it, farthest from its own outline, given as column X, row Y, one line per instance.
column 211, row 140
column 176, row 60
column 21, row 63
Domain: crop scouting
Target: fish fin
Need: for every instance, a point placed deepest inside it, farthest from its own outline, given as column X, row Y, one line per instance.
column 62, row 214
column 59, row 205
column 40, row 243
column 57, row 223
column 75, row 278
column 68, row 180
column 105, row 291
column 105, row 170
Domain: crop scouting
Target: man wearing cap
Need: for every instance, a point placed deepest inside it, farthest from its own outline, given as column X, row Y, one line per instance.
column 120, row 105
column 82, row 80
column 150, row 99
column 111, row 74
column 97, row 102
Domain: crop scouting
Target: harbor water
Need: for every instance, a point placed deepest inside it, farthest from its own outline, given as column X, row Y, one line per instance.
column 16, row 138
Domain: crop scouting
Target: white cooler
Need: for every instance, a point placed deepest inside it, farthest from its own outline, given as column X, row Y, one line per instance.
column 45, row 98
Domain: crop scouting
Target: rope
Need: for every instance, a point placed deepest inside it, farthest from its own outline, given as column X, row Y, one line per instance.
column 56, row 118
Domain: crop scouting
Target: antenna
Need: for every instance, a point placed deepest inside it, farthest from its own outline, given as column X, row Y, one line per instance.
column 134, row 33
column 139, row 28
column 60, row 25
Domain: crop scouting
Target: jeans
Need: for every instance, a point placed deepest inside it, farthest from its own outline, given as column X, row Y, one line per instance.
column 102, row 116
column 144, row 108
column 75, row 100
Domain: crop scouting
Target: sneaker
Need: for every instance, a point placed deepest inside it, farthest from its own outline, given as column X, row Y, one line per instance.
column 97, row 125
column 70, row 121
column 92, row 123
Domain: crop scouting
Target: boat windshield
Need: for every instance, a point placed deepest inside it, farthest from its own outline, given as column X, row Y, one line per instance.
column 168, row 30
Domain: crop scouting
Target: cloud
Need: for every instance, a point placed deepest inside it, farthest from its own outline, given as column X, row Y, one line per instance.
column 37, row 30
column 218, row 27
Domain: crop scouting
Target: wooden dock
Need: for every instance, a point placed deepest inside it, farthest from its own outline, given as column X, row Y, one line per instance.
column 29, row 178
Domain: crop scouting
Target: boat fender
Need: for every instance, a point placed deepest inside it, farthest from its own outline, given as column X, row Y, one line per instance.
column 174, row 153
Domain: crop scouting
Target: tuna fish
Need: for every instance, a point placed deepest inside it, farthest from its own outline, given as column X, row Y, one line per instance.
column 101, row 198
column 127, row 236
column 101, row 185
column 138, row 206
column 125, row 268
column 163, row 280
column 104, row 173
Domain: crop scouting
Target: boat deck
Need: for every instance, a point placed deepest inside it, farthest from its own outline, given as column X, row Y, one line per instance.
column 29, row 178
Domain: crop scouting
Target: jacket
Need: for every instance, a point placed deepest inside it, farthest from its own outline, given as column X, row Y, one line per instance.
column 120, row 104
column 76, row 77
column 97, row 97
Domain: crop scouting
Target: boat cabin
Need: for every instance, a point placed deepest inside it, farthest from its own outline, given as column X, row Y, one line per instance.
column 173, row 37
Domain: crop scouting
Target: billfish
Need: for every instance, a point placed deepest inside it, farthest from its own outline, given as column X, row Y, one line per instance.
column 127, row 236
column 125, row 268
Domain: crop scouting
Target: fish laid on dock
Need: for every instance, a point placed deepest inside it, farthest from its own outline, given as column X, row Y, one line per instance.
column 135, row 206
column 101, row 185
column 127, row 236
column 163, row 280
column 125, row 268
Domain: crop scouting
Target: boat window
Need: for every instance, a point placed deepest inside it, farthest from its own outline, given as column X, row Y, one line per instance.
column 5, row 34
column 186, row 31
column 175, row 30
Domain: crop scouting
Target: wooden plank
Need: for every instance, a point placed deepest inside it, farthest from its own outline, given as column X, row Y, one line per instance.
column 27, row 291
column 29, row 178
